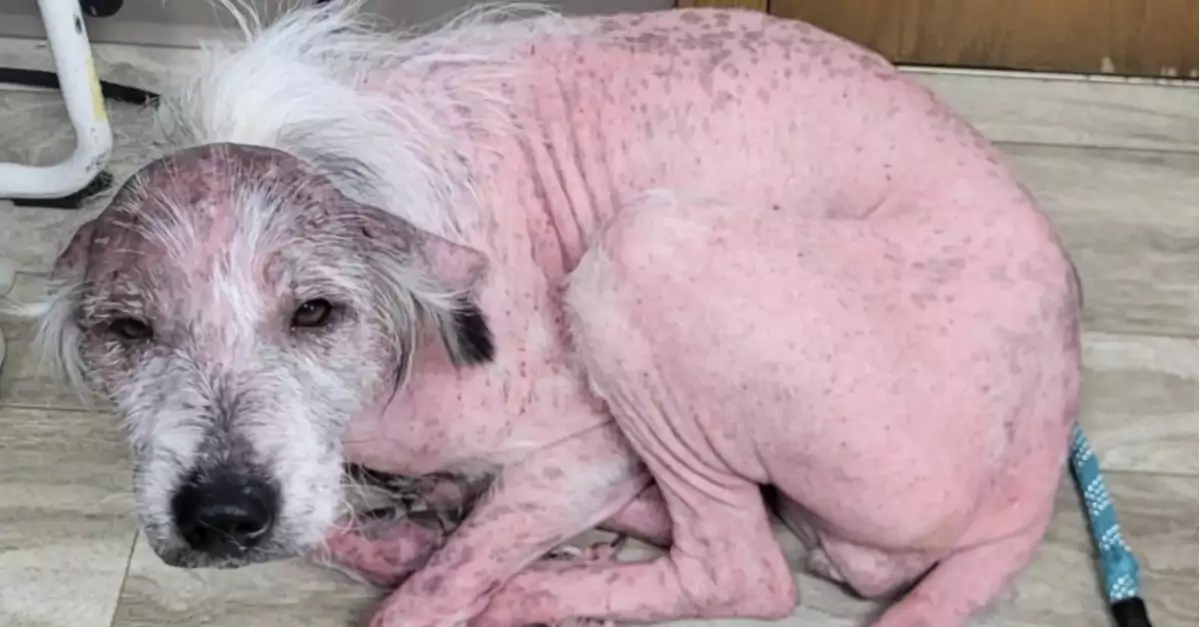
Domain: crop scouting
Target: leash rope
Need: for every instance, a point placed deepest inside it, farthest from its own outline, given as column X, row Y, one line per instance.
column 1117, row 564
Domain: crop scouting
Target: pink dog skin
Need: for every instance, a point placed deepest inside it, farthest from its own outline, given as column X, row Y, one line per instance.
column 839, row 291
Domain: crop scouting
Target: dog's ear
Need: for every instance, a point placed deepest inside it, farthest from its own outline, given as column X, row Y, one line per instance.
column 445, row 281
column 58, row 336
column 454, row 267
column 72, row 261
column 462, row 270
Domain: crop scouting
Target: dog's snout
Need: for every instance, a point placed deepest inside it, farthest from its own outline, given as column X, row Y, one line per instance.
column 225, row 516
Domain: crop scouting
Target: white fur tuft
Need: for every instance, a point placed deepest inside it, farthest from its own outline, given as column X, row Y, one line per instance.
column 321, row 84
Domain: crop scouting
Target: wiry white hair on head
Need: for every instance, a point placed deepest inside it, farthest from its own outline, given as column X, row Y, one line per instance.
column 314, row 83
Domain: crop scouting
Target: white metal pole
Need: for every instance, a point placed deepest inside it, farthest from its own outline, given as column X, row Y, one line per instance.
column 85, row 106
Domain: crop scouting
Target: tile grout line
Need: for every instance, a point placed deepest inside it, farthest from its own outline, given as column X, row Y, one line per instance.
column 112, row 621
column 59, row 408
column 1193, row 150
column 1061, row 77
column 1148, row 473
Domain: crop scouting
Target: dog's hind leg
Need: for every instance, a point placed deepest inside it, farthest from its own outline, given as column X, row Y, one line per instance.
column 965, row 582
column 645, row 518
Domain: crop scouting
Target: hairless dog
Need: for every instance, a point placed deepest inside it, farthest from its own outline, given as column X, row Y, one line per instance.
column 567, row 272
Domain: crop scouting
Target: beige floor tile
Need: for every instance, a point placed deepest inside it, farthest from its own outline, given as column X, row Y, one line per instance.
column 27, row 381
column 65, row 532
column 276, row 595
column 34, row 129
column 1129, row 220
column 1060, row 589
column 146, row 67
column 32, row 237
column 1158, row 515
column 26, row 287
column 1038, row 110
column 1140, row 402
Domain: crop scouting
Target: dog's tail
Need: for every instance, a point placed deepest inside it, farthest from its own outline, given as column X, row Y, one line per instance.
column 1117, row 563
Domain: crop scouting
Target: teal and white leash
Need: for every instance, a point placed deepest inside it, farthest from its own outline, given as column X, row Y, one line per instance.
column 1117, row 563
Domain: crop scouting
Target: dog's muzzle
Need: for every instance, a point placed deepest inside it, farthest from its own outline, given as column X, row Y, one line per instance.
column 225, row 515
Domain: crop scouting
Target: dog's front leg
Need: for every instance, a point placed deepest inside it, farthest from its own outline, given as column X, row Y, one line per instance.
column 535, row 505
column 398, row 524
column 382, row 553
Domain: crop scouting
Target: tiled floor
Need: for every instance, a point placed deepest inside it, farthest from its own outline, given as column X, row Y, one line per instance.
column 1115, row 165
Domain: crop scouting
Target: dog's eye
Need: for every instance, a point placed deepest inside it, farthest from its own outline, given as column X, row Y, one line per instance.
column 130, row 329
column 311, row 314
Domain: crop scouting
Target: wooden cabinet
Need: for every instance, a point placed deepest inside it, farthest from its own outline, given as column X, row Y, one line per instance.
column 760, row 5
column 1127, row 37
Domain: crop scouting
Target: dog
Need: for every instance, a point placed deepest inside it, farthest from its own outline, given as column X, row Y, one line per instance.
column 623, row 271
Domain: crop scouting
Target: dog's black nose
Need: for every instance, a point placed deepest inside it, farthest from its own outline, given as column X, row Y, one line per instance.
column 225, row 516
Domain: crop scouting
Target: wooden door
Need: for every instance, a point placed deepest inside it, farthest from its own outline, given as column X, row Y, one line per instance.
column 1126, row 37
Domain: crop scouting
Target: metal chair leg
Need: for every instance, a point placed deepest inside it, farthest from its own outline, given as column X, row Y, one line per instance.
column 85, row 107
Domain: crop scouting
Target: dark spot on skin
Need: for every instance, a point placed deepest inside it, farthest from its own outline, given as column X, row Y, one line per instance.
column 366, row 232
column 434, row 585
column 453, row 559
column 719, row 57
column 649, row 41
column 78, row 24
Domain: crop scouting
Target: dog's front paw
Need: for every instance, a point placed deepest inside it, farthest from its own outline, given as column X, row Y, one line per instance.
column 598, row 552
column 383, row 553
